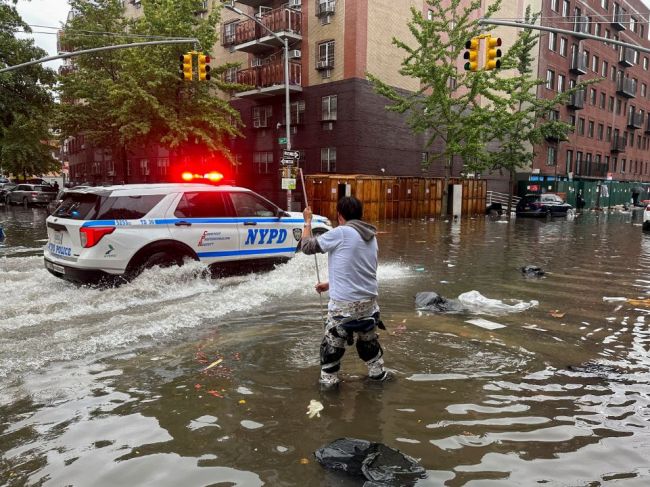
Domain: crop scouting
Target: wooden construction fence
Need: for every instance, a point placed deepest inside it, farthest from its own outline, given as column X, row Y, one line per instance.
column 391, row 197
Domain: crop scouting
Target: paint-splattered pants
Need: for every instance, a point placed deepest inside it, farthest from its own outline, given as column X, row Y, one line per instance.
column 344, row 321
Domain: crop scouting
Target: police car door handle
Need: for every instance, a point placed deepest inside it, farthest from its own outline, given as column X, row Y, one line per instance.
column 250, row 223
column 182, row 223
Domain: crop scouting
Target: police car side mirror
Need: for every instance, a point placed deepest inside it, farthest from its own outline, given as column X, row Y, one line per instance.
column 279, row 213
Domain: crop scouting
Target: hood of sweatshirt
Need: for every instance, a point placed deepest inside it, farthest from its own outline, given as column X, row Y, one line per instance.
column 366, row 230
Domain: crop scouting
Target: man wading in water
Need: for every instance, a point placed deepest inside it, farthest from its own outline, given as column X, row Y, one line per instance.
column 352, row 308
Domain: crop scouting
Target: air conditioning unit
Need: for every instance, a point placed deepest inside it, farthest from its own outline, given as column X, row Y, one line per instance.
column 297, row 4
column 326, row 7
column 295, row 54
column 323, row 65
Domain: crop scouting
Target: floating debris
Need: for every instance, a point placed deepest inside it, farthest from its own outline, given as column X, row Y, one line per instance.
column 488, row 325
column 314, row 408
column 213, row 364
column 556, row 313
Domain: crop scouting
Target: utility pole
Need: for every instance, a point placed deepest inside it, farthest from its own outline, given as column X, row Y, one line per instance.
column 522, row 25
column 99, row 49
column 287, row 109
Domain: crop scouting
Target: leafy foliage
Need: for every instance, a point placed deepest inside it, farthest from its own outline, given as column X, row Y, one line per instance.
column 134, row 98
column 25, row 101
column 444, row 106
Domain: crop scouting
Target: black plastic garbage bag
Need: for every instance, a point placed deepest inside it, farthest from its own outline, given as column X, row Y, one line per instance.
column 532, row 271
column 378, row 463
column 346, row 454
column 433, row 302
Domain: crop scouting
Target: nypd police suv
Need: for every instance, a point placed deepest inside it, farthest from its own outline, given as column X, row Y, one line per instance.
column 103, row 233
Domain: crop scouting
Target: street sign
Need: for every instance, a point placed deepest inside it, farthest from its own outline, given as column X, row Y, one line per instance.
column 290, row 154
column 288, row 183
column 282, row 140
column 287, row 162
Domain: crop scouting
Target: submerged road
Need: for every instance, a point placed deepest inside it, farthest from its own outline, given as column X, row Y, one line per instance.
column 108, row 387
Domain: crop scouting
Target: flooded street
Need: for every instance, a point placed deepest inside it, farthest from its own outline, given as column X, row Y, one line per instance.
column 109, row 387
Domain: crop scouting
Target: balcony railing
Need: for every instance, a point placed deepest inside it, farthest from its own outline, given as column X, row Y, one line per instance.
column 579, row 63
column 626, row 56
column 269, row 75
column 598, row 170
column 618, row 20
column 277, row 20
column 577, row 100
column 626, row 87
column 619, row 143
column 635, row 120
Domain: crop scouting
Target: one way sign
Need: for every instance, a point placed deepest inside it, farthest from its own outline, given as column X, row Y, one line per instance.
column 290, row 154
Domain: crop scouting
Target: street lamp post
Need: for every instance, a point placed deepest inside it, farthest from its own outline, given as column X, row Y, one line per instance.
column 287, row 113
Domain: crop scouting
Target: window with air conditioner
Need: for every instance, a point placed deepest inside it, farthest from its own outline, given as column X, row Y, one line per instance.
column 295, row 4
column 257, row 61
column 325, row 7
column 144, row 167
column 328, row 107
column 325, row 56
column 262, row 116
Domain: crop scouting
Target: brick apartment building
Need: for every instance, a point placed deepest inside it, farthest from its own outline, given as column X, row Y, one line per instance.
column 338, row 124
column 612, row 126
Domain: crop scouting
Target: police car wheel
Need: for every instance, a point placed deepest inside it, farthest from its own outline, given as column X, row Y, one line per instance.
column 161, row 259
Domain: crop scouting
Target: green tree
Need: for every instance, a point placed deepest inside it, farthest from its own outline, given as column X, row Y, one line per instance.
column 25, row 101
column 514, row 115
column 134, row 98
column 444, row 108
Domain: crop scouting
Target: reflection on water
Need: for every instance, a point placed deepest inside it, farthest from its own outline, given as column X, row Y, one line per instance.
column 107, row 387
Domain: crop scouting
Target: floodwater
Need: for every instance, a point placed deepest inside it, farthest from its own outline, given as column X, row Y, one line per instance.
column 108, row 387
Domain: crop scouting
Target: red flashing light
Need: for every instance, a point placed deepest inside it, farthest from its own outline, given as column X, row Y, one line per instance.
column 212, row 176
column 90, row 236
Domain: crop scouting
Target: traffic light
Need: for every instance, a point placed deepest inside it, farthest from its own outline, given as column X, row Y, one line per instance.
column 203, row 67
column 186, row 66
column 492, row 53
column 471, row 54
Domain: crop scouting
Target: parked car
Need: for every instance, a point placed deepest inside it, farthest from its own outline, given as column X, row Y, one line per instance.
column 546, row 204
column 646, row 217
column 52, row 205
column 30, row 194
column 4, row 189
column 111, row 233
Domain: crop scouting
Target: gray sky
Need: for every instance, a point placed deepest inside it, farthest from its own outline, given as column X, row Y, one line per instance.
column 49, row 13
